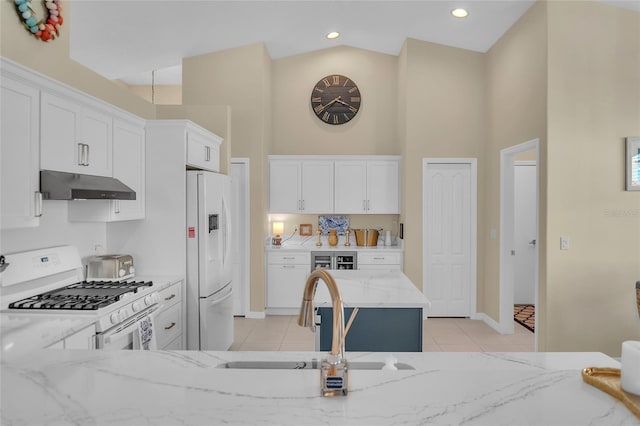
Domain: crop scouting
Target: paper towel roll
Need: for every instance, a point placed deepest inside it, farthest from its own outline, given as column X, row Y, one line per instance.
column 630, row 370
column 387, row 238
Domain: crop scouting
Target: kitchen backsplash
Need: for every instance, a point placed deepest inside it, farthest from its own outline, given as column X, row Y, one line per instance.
column 373, row 221
column 55, row 230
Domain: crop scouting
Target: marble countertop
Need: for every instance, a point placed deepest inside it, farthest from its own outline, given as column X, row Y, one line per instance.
column 185, row 388
column 373, row 289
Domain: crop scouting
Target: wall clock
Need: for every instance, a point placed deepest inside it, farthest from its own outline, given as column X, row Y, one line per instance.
column 335, row 99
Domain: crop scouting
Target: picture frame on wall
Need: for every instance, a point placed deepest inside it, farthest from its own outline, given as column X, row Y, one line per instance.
column 305, row 229
column 633, row 163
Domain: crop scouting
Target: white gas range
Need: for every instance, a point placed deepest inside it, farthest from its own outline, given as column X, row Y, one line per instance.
column 50, row 282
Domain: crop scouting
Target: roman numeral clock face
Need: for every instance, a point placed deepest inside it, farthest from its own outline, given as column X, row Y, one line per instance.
column 335, row 99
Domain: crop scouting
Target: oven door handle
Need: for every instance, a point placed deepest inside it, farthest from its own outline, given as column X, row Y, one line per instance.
column 129, row 326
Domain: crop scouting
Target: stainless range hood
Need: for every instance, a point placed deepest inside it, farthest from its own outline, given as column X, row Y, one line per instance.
column 73, row 186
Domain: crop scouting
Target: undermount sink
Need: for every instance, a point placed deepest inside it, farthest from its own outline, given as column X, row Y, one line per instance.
column 306, row 365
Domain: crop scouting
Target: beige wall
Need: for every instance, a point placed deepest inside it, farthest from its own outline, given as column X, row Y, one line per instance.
column 593, row 103
column 296, row 129
column 444, row 116
column 158, row 95
column 52, row 59
column 516, row 113
column 240, row 78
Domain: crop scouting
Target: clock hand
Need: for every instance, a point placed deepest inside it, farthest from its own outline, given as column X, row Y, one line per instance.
column 353, row 109
column 331, row 102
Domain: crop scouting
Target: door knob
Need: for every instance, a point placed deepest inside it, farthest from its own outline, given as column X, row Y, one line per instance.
column 532, row 242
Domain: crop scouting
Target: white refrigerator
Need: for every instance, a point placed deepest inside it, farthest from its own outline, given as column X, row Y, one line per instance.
column 209, row 266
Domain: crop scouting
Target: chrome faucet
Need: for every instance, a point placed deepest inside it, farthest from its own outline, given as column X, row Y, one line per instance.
column 334, row 379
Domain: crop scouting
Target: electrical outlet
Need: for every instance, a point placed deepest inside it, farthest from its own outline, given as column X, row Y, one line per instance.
column 564, row 243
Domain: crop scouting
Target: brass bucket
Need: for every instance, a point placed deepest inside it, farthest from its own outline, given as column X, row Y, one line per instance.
column 366, row 237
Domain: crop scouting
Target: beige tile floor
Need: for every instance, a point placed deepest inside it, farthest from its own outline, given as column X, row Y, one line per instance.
column 282, row 333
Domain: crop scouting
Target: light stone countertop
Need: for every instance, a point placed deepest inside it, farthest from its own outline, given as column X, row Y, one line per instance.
column 373, row 289
column 60, row 387
column 24, row 331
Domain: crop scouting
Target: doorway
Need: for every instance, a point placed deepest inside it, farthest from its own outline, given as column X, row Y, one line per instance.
column 519, row 242
column 240, row 226
column 449, row 215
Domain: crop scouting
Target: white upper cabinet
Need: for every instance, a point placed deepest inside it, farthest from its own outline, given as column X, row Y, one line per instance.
column 284, row 186
column 203, row 150
column 300, row 186
column 383, row 186
column 351, row 186
column 129, row 168
column 75, row 138
column 367, row 186
column 317, row 186
column 20, row 155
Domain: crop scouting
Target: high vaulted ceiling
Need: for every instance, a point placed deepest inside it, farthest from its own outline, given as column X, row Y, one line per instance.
column 128, row 39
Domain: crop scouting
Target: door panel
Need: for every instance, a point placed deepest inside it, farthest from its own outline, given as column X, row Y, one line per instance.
column 525, row 233
column 448, row 239
column 216, row 321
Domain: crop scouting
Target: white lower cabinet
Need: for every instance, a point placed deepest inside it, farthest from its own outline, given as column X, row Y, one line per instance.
column 169, row 322
column 287, row 274
column 387, row 260
column 83, row 339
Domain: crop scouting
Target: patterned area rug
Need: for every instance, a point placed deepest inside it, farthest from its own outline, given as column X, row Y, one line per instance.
column 525, row 315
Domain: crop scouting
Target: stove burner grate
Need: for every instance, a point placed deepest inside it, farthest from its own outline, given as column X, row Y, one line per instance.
column 84, row 296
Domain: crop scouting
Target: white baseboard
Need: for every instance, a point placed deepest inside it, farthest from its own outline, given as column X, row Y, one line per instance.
column 489, row 321
column 255, row 315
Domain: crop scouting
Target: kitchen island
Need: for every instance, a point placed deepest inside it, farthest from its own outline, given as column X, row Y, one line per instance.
column 189, row 388
column 391, row 311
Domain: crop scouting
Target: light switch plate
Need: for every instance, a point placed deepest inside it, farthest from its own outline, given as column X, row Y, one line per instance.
column 564, row 243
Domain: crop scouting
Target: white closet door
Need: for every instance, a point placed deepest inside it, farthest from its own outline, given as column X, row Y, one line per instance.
column 447, row 234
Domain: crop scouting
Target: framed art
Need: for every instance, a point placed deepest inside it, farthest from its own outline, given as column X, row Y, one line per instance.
column 306, row 229
column 633, row 164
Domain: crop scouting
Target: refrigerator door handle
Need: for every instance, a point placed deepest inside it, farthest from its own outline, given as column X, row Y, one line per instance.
column 225, row 220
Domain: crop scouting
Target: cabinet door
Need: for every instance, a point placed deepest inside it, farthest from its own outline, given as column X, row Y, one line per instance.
column 74, row 138
column 61, row 145
column 169, row 325
column 380, row 260
column 203, row 152
column 350, row 186
column 317, row 186
column 19, row 153
column 129, row 168
column 83, row 339
column 96, row 134
column 285, row 284
column 383, row 188
column 284, row 186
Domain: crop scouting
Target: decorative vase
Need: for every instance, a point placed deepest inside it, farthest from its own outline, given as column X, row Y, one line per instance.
column 333, row 238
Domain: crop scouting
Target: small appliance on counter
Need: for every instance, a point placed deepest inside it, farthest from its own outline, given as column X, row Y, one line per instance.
column 366, row 237
column 110, row 267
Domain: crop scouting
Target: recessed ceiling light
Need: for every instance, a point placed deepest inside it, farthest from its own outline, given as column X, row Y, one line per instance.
column 333, row 34
column 459, row 13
